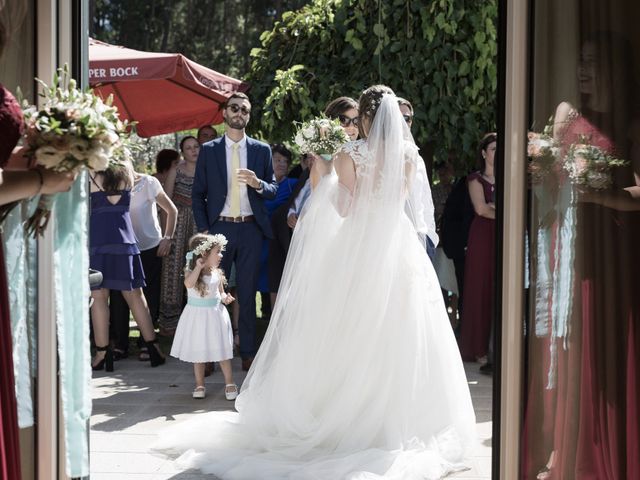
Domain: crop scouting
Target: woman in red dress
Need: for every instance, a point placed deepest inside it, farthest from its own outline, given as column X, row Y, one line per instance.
column 589, row 413
column 479, row 274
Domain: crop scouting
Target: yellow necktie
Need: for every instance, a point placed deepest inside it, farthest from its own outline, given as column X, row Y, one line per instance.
column 234, row 201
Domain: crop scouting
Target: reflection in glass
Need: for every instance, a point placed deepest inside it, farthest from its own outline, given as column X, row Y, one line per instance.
column 20, row 262
column 583, row 328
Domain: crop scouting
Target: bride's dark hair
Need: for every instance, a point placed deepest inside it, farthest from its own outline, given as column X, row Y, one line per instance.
column 369, row 102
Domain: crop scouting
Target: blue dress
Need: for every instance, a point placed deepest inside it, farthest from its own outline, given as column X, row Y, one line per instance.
column 112, row 244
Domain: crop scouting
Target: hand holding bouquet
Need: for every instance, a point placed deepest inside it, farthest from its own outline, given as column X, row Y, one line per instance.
column 73, row 129
column 321, row 136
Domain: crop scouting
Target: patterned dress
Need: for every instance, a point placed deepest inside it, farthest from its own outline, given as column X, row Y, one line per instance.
column 172, row 293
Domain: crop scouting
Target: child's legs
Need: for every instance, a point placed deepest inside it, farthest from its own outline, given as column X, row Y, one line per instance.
column 100, row 316
column 225, row 366
column 140, row 310
column 198, row 371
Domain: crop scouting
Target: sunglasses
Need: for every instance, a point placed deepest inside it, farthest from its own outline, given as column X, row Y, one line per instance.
column 346, row 121
column 235, row 109
column 408, row 118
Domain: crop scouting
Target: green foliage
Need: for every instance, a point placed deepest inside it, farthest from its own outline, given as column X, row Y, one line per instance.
column 439, row 54
column 216, row 33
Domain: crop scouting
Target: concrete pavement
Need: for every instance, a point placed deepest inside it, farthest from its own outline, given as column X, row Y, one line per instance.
column 133, row 403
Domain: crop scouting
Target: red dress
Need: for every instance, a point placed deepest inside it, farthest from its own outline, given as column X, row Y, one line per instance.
column 10, row 130
column 590, row 418
column 479, row 281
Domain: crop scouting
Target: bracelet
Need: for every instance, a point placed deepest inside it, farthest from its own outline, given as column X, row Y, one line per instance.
column 41, row 177
column 167, row 237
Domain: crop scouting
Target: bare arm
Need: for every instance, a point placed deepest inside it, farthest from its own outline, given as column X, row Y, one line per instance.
column 346, row 170
column 171, row 212
column 165, row 203
column 319, row 169
column 482, row 208
column 169, row 185
column 563, row 111
column 227, row 298
column 18, row 185
column 170, row 182
column 191, row 277
column 627, row 199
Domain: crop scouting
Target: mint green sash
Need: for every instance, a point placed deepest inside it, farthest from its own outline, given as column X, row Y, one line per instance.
column 203, row 302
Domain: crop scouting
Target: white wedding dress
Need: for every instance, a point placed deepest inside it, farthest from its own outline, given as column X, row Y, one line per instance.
column 359, row 375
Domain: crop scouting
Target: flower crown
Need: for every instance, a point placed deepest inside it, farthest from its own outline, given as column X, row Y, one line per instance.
column 212, row 240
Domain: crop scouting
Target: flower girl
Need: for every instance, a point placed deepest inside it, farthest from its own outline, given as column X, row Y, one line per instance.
column 204, row 331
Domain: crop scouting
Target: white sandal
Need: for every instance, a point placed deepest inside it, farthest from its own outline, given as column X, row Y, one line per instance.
column 233, row 394
column 199, row 392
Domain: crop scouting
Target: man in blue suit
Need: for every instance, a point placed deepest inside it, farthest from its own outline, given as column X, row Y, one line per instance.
column 234, row 176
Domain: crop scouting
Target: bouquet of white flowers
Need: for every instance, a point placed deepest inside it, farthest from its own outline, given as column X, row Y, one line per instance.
column 590, row 166
column 583, row 164
column 73, row 129
column 321, row 136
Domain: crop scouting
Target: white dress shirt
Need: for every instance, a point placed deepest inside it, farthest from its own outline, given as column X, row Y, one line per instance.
column 245, row 206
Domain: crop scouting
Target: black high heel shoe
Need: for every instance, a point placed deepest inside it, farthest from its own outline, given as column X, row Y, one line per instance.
column 155, row 356
column 107, row 361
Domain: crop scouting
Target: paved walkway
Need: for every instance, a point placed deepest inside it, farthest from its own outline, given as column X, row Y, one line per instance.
column 133, row 403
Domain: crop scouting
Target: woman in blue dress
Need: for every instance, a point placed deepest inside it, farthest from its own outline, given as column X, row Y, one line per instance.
column 281, row 164
column 114, row 252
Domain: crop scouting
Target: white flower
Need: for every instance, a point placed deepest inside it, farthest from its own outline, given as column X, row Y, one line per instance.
column 598, row 180
column 98, row 160
column 79, row 148
column 108, row 137
column 61, row 143
column 49, row 157
column 73, row 113
column 309, row 132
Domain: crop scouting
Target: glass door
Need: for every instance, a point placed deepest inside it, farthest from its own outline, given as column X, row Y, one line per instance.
column 581, row 350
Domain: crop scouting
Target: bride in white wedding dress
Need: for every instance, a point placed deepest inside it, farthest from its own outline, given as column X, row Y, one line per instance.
column 359, row 375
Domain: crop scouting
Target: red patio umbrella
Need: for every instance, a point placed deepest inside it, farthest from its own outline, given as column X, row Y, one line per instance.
column 163, row 92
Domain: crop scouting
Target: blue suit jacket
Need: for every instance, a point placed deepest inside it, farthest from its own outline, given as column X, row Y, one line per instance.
column 210, row 183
